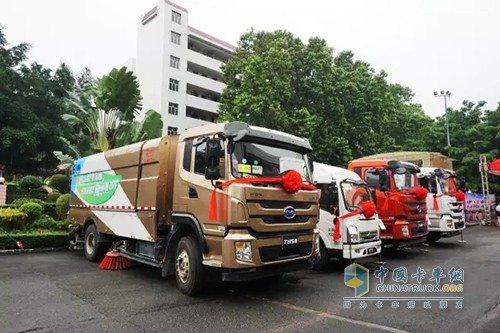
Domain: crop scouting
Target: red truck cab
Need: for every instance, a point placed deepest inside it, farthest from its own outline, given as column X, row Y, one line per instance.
column 400, row 200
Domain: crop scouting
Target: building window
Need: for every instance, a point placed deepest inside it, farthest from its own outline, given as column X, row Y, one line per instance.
column 173, row 85
column 176, row 17
column 171, row 130
column 174, row 62
column 175, row 37
column 173, row 108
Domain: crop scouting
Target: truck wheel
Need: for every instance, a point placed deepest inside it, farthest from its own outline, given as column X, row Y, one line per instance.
column 94, row 251
column 324, row 260
column 433, row 237
column 188, row 266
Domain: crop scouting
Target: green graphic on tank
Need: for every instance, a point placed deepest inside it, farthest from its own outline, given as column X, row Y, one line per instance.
column 97, row 188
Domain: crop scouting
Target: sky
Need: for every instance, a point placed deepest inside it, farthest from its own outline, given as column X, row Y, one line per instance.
column 427, row 45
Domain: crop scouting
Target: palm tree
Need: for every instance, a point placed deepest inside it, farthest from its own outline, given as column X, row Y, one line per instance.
column 103, row 106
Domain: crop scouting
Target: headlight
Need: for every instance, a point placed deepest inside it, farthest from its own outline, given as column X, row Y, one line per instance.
column 405, row 231
column 243, row 251
column 449, row 222
column 316, row 243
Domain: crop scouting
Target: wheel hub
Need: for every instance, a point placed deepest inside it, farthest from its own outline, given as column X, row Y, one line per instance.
column 182, row 266
column 90, row 243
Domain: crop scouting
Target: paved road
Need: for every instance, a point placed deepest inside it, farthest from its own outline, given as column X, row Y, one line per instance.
column 62, row 292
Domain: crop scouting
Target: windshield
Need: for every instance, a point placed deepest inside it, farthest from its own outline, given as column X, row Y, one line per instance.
column 257, row 160
column 448, row 186
column 354, row 194
column 405, row 181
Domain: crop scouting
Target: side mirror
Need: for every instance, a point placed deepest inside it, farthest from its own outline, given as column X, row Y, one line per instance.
column 384, row 180
column 212, row 159
column 462, row 184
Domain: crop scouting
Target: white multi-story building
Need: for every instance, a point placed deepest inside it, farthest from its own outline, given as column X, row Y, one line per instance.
column 178, row 68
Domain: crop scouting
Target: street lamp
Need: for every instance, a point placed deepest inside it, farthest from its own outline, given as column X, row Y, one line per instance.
column 445, row 94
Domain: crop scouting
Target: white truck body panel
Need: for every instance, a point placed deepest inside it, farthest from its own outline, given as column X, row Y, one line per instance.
column 448, row 218
column 367, row 230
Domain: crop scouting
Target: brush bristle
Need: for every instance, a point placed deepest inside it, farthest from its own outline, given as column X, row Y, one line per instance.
column 114, row 261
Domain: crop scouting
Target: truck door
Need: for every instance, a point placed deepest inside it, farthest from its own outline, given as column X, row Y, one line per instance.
column 200, row 189
column 329, row 207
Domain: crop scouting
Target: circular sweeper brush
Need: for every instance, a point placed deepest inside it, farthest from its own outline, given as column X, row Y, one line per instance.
column 115, row 261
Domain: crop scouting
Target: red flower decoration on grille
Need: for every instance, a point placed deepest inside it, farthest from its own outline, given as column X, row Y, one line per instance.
column 292, row 181
column 421, row 193
column 460, row 196
column 368, row 209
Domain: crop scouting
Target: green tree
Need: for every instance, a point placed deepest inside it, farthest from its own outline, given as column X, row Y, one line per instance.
column 31, row 102
column 150, row 127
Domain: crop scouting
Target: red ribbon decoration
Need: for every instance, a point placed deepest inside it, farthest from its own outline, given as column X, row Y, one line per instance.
column 291, row 182
column 368, row 209
column 436, row 203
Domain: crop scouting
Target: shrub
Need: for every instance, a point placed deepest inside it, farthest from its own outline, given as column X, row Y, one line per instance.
column 22, row 201
column 12, row 219
column 39, row 193
column 36, row 240
column 62, row 206
column 14, row 192
column 60, row 183
column 32, row 210
column 45, row 222
column 53, row 196
column 29, row 183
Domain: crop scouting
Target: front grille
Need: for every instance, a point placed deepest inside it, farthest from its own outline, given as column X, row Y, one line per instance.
column 275, row 252
column 416, row 208
column 277, row 204
column 275, row 219
column 368, row 235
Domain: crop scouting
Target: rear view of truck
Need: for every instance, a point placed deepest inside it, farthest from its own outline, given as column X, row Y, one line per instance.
column 232, row 199
column 444, row 203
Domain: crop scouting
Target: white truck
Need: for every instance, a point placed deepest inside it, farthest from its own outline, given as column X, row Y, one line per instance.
column 444, row 203
column 343, row 192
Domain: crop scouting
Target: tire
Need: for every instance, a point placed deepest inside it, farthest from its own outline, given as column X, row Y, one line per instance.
column 94, row 251
column 188, row 266
column 324, row 260
column 433, row 238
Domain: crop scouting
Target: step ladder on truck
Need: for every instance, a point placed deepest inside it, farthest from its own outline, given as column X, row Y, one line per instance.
column 342, row 197
column 229, row 199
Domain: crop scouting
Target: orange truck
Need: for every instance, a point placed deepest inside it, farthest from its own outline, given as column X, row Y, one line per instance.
column 400, row 200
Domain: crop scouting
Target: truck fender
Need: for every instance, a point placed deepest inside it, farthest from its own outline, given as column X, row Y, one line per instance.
column 194, row 224
column 101, row 238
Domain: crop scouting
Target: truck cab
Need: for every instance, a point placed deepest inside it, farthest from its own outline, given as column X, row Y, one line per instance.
column 343, row 192
column 444, row 203
column 400, row 200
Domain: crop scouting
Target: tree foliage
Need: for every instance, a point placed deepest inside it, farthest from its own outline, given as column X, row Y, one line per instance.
column 343, row 106
column 31, row 103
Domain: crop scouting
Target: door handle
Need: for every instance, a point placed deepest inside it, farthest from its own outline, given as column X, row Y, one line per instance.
column 192, row 193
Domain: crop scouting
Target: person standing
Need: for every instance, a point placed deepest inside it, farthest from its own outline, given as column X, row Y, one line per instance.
column 497, row 212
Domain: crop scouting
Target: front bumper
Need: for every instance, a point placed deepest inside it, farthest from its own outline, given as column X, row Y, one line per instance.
column 441, row 225
column 361, row 250
column 268, row 249
column 238, row 275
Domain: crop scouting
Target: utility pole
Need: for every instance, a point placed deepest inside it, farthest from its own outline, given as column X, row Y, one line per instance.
column 445, row 94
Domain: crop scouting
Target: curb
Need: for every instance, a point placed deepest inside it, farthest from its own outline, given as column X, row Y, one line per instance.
column 22, row 251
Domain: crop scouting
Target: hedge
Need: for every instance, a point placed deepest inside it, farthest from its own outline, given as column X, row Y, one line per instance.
column 35, row 240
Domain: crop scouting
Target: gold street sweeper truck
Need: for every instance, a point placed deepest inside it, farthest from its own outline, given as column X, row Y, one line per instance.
column 229, row 198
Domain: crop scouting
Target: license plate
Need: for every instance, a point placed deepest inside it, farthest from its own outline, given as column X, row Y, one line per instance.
column 371, row 250
column 289, row 241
